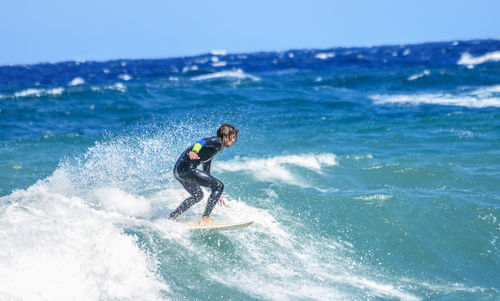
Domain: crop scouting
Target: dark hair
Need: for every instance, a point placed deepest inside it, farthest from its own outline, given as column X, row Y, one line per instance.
column 227, row 130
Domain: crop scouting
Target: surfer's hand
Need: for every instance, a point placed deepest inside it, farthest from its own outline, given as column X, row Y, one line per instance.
column 193, row 155
column 222, row 202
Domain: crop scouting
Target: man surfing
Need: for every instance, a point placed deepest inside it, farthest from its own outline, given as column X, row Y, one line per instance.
column 191, row 178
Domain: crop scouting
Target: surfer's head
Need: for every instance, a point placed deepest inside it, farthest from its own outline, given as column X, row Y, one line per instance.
column 228, row 134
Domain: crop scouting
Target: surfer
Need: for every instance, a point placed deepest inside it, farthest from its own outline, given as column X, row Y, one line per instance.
column 191, row 178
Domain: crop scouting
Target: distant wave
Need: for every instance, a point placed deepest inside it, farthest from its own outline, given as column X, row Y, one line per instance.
column 125, row 77
column 218, row 52
column 116, row 87
column 479, row 98
column 325, row 55
column 238, row 74
column 468, row 59
column 35, row 93
column 77, row 81
column 32, row 92
column 419, row 75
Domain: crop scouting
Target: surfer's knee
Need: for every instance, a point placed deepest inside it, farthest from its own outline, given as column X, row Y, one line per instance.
column 218, row 186
column 198, row 195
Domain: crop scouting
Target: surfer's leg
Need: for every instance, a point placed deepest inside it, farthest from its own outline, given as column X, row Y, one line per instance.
column 207, row 180
column 196, row 196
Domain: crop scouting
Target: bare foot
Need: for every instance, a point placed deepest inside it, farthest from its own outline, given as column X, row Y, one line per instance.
column 206, row 221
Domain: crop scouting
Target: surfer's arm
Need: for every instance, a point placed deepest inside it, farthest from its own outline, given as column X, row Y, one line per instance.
column 198, row 145
column 206, row 166
column 193, row 154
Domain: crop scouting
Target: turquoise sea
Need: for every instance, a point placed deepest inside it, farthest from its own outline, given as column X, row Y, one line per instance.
column 371, row 174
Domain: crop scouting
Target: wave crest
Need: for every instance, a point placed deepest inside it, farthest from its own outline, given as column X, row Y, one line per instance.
column 277, row 168
column 468, row 59
column 236, row 74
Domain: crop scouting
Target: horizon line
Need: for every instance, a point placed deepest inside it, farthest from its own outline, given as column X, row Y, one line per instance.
column 77, row 60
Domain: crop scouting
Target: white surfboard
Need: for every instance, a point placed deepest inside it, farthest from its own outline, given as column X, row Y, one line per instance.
column 218, row 227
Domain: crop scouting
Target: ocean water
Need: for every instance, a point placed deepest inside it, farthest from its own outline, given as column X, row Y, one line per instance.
column 371, row 174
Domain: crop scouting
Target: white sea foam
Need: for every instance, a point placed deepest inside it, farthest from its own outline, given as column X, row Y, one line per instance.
column 77, row 81
column 38, row 92
column 313, row 269
column 54, row 246
column 117, row 87
column 219, row 64
column 479, row 98
column 277, row 168
column 189, row 68
column 468, row 59
column 28, row 92
column 371, row 197
column 325, row 55
column 419, row 75
column 236, row 74
column 360, row 157
column 218, row 52
column 125, row 77
column 114, row 199
column 485, row 92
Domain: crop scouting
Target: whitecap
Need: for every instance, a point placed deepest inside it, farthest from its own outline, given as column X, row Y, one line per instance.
column 189, row 68
column 464, row 100
column 485, row 92
column 419, row 75
column 38, row 92
column 237, row 74
column 325, row 55
column 468, row 59
column 77, row 81
column 117, row 87
column 219, row 64
column 218, row 52
column 371, row 197
column 360, row 157
column 125, row 77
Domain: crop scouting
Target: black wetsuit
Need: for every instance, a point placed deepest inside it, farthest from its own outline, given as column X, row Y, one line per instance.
column 191, row 178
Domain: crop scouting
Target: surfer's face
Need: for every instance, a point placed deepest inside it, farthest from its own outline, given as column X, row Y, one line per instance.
column 228, row 141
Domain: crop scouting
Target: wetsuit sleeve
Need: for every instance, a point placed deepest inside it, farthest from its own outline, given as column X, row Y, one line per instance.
column 198, row 145
column 206, row 166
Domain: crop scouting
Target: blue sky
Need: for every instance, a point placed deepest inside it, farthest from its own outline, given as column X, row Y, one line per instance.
column 35, row 31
